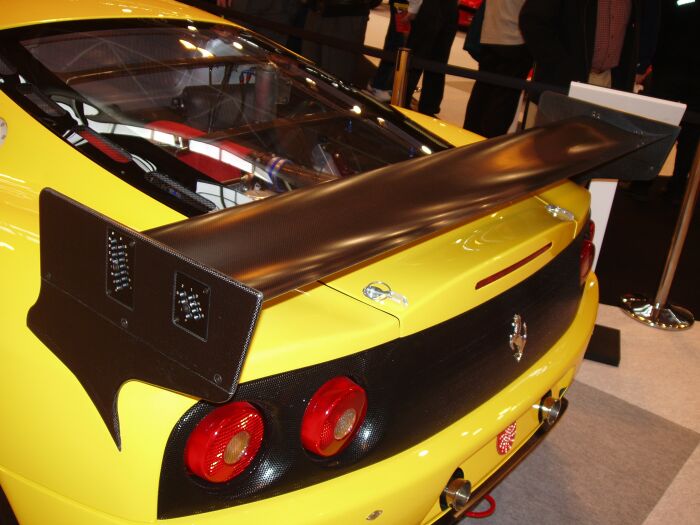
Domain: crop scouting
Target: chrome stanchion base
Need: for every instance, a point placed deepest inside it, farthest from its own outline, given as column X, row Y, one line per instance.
column 670, row 317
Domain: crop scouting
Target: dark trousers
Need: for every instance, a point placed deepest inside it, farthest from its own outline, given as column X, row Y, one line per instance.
column 432, row 33
column 680, row 82
column 688, row 140
column 393, row 40
column 491, row 108
column 280, row 11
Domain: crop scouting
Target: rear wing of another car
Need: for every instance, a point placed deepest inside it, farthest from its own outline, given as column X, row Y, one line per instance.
column 176, row 306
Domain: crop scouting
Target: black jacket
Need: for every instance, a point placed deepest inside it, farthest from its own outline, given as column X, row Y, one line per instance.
column 676, row 62
column 561, row 34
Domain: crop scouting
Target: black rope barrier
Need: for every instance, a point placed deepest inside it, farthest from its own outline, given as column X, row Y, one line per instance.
column 490, row 78
column 530, row 87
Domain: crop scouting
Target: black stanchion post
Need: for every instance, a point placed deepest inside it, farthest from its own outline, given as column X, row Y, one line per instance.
column 398, row 94
column 659, row 313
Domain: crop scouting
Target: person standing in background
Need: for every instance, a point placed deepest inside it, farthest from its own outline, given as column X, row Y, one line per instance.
column 280, row 11
column 343, row 19
column 491, row 108
column 593, row 41
column 432, row 32
column 401, row 13
column 675, row 75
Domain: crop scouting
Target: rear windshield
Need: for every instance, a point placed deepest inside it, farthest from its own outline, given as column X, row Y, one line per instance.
column 201, row 116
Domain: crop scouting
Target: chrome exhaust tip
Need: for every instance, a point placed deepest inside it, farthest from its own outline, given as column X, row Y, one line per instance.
column 550, row 408
column 457, row 494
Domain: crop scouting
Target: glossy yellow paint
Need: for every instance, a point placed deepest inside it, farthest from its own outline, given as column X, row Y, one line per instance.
column 449, row 132
column 481, row 465
column 404, row 487
column 50, row 427
column 58, row 463
column 68, row 435
column 305, row 327
column 28, row 13
column 571, row 197
column 451, row 264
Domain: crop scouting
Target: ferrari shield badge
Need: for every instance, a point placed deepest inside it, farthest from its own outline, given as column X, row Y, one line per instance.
column 518, row 337
column 505, row 440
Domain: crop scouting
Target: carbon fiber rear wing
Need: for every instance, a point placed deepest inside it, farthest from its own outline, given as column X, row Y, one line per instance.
column 176, row 306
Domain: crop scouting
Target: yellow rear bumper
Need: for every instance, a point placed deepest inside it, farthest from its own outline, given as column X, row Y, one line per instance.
column 403, row 489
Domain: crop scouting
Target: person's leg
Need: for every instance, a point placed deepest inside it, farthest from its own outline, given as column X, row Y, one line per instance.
column 434, row 83
column 394, row 40
column 685, row 152
column 424, row 30
column 298, row 20
column 280, row 11
column 339, row 62
column 335, row 61
column 309, row 48
column 491, row 108
column 672, row 83
column 478, row 101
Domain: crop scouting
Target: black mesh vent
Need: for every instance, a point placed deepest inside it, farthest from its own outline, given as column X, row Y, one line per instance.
column 416, row 386
column 120, row 264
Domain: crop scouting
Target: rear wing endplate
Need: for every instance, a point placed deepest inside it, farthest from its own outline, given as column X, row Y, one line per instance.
column 116, row 305
column 643, row 164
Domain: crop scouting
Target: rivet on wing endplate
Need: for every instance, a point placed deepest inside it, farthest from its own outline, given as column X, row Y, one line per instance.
column 379, row 291
column 518, row 338
column 560, row 213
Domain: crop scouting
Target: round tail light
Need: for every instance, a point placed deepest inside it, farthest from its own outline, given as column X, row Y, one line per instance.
column 225, row 442
column 332, row 417
column 587, row 253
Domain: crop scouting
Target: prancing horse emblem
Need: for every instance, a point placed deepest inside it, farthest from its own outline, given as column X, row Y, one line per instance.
column 518, row 339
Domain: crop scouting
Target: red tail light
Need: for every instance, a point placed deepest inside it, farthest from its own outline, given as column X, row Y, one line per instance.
column 332, row 417
column 587, row 253
column 225, row 442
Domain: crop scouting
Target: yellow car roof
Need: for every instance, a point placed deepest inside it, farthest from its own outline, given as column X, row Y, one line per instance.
column 43, row 11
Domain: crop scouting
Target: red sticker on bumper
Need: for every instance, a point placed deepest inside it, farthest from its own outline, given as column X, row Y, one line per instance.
column 505, row 440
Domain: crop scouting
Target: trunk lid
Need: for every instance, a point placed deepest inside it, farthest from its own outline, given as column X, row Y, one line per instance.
column 507, row 245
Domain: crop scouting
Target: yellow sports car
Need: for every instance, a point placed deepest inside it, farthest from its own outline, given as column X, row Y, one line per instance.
column 238, row 290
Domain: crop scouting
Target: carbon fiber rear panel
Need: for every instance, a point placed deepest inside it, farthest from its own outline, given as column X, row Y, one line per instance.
column 416, row 386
